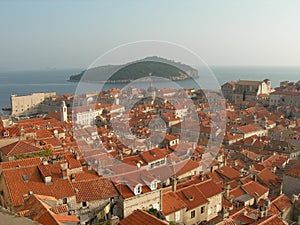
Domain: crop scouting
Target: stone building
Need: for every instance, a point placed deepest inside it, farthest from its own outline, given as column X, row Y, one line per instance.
column 28, row 104
column 247, row 90
column 227, row 90
column 192, row 203
column 285, row 98
column 137, row 190
column 291, row 181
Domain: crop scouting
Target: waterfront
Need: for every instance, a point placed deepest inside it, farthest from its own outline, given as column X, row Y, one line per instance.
column 26, row 82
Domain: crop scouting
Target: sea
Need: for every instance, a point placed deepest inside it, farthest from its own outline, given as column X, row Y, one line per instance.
column 55, row 80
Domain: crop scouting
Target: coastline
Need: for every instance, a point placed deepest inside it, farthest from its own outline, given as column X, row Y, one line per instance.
column 128, row 81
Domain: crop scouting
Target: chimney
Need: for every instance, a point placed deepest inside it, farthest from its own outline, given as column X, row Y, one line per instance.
column 44, row 161
column 114, row 220
column 64, row 167
column 294, row 198
column 225, row 213
column 255, row 177
column 174, row 183
column 72, row 177
column 263, row 211
column 22, row 131
column 77, row 157
column 89, row 166
column 260, row 213
column 261, row 159
column 226, row 190
column 121, row 155
column 201, row 177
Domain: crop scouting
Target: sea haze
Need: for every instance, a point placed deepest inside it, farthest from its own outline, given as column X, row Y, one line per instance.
column 26, row 82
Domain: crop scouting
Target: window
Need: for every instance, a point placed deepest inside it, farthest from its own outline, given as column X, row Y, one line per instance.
column 84, row 204
column 25, row 178
column 138, row 189
column 202, row 209
column 65, row 200
column 193, row 214
column 153, row 185
column 177, row 216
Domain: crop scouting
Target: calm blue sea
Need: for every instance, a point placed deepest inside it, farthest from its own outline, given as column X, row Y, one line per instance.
column 26, row 82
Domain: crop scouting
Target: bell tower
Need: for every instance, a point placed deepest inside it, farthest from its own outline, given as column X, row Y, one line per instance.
column 63, row 112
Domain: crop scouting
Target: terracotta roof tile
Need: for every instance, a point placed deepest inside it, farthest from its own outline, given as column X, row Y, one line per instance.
column 60, row 209
column 39, row 208
column 171, row 203
column 97, row 189
column 18, row 148
column 237, row 192
column 294, row 171
column 270, row 220
column 20, row 181
column 185, row 167
column 73, row 163
column 228, row 172
column 154, row 154
column 249, row 128
column 255, row 189
column 20, row 163
column 209, row 188
column 191, row 196
column 282, row 203
column 139, row 217
column 269, row 179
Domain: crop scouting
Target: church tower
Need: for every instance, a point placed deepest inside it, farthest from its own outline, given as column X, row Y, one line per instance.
column 63, row 112
column 151, row 89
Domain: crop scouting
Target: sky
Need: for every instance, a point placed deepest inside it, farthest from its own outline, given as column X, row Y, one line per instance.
column 61, row 34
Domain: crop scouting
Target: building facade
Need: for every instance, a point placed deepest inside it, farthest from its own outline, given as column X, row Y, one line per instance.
column 28, row 104
column 246, row 90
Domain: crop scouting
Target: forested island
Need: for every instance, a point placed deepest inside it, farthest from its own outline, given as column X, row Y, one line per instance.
column 155, row 66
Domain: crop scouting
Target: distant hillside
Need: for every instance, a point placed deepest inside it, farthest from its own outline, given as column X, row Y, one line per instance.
column 125, row 73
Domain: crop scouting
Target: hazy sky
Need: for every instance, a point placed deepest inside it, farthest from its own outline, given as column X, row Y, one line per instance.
column 72, row 34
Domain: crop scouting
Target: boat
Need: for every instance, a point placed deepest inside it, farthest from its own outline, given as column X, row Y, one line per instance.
column 6, row 108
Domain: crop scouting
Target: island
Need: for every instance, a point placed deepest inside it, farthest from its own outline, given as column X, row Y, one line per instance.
column 156, row 66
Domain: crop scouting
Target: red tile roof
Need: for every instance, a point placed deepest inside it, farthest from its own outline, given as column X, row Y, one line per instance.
column 128, row 181
column 237, row 192
column 282, row 203
column 88, row 190
column 294, row 171
column 20, row 163
column 20, row 181
column 191, row 196
column 249, row 128
column 39, row 208
column 140, row 217
column 255, row 189
column 269, row 179
column 228, row 172
column 172, row 203
column 18, row 148
column 209, row 188
column 154, row 154
column 72, row 162
column 42, row 134
column 270, row 220
column 185, row 167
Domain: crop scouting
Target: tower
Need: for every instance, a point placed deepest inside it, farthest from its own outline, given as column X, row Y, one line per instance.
column 151, row 89
column 63, row 112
